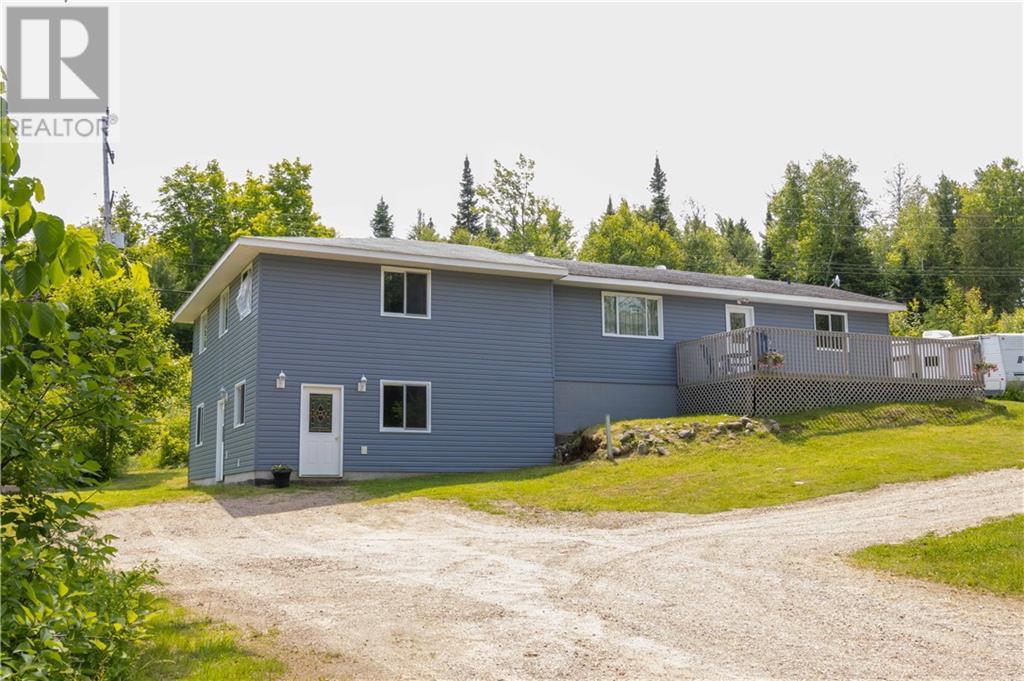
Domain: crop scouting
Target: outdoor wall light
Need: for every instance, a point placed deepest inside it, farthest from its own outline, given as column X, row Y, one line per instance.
column 223, row 394
column 280, row 380
column 361, row 386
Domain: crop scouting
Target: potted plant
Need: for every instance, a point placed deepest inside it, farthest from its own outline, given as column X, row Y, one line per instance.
column 772, row 359
column 282, row 475
column 984, row 368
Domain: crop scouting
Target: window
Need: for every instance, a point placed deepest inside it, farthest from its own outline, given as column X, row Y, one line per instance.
column 200, row 408
column 405, row 293
column 245, row 293
column 201, row 331
column 239, row 404
column 631, row 315
column 222, row 314
column 825, row 320
column 321, row 412
column 404, row 406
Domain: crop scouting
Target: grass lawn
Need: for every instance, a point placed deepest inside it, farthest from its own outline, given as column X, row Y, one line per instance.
column 816, row 454
column 183, row 646
column 989, row 557
column 152, row 486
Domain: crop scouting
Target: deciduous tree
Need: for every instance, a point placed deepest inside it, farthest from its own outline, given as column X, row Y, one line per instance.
column 625, row 238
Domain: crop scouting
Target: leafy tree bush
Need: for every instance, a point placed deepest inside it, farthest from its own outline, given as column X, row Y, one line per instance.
column 172, row 440
column 64, row 614
column 127, row 305
column 625, row 238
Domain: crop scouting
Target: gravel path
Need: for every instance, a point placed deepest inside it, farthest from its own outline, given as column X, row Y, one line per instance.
column 433, row 590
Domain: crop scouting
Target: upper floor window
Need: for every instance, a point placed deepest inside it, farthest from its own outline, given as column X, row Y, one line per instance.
column 405, row 292
column 201, row 331
column 826, row 320
column 222, row 314
column 631, row 315
column 245, row 293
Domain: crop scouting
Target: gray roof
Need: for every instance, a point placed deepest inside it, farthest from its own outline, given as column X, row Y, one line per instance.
column 441, row 249
column 603, row 270
column 428, row 249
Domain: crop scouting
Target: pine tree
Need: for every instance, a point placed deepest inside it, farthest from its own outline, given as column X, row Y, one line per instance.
column 466, row 216
column 610, row 209
column 382, row 224
column 660, row 211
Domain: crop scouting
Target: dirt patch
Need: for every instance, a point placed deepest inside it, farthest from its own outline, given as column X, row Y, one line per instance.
column 434, row 590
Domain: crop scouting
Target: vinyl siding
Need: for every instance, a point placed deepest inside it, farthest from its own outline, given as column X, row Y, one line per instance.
column 226, row 361
column 486, row 351
column 643, row 368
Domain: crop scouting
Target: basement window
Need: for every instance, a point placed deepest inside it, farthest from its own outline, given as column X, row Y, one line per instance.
column 404, row 406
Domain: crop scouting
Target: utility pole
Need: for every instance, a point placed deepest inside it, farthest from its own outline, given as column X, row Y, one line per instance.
column 108, row 159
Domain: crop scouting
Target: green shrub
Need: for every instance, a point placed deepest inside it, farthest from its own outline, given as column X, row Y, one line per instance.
column 63, row 613
column 172, row 442
column 1014, row 392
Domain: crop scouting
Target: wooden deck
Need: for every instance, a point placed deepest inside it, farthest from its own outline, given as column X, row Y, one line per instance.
column 734, row 372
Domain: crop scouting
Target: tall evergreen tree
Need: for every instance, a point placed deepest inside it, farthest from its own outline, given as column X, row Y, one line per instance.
column 660, row 212
column 610, row 208
column 466, row 215
column 382, row 224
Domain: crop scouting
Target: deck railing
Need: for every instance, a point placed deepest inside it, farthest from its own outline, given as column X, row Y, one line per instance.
column 815, row 354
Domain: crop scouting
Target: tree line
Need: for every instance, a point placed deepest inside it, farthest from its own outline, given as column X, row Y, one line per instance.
column 953, row 251
column 933, row 246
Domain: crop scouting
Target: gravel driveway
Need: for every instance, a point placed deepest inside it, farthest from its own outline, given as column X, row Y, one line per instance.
column 433, row 590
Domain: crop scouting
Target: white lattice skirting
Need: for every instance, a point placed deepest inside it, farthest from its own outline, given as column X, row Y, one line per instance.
column 761, row 395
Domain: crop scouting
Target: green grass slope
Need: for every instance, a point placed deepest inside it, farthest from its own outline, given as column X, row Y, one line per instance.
column 815, row 454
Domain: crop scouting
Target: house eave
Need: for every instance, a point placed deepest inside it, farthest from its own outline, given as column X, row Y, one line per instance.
column 637, row 286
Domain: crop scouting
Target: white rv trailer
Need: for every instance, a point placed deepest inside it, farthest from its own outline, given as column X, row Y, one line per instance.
column 1005, row 350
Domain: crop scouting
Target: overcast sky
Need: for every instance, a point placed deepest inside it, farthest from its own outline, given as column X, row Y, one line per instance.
column 387, row 99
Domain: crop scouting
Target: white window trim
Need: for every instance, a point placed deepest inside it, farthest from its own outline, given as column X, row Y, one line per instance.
column 661, row 315
column 234, row 406
column 248, row 307
column 729, row 309
column 846, row 326
column 222, row 313
column 430, row 407
column 197, row 441
column 403, row 270
column 204, row 320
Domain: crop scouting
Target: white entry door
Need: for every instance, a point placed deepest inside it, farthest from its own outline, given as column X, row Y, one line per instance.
column 219, row 471
column 320, row 430
column 739, row 317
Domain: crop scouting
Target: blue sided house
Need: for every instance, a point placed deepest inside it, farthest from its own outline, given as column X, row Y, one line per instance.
column 369, row 357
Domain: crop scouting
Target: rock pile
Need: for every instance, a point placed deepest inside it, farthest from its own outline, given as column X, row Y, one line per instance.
column 656, row 438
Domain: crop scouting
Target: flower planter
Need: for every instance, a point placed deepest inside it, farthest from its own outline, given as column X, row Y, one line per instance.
column 282, row 478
